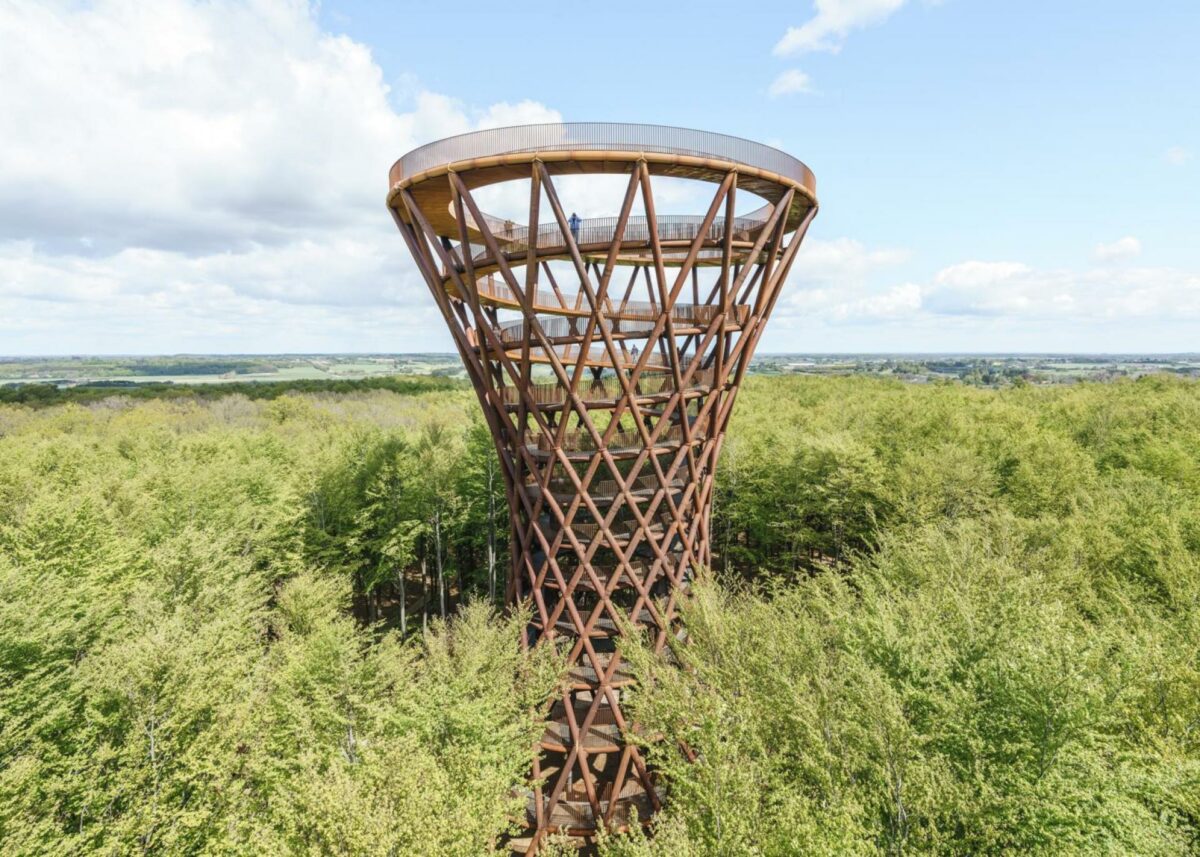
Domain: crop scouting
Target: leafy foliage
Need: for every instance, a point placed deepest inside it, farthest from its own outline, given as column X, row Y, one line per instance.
column 942, row 620
column 993, row 649
column 179, row 669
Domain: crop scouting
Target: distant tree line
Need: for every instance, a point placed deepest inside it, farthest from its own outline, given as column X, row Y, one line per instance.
column 42, row 394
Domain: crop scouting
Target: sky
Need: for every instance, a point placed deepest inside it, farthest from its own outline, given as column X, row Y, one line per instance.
column 994, row 175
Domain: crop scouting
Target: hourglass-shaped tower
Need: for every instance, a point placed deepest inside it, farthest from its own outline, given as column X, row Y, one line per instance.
column 607, row 354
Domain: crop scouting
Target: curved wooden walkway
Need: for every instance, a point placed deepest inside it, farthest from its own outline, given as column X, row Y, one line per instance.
column 607, row 354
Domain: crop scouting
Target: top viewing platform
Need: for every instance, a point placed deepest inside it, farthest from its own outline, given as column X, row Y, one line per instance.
column 594, row 141
column 432, row 190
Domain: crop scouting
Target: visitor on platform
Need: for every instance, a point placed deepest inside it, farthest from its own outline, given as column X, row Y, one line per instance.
column 574, row 223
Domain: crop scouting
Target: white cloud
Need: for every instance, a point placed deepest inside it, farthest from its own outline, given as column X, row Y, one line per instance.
column 1020, row 291
column 207, row 161
column 841, row 261
column 526, row 112
column 1177, row 156
column 896, row 302
column 1122, row 248
column 833, row 21
column 789, row 82
column 843, row 283
column 974, row 275
column 835, row 280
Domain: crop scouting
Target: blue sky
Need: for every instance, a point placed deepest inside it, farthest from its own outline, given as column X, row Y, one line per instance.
column 994, row 176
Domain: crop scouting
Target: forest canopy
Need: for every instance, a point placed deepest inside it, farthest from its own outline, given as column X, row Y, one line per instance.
column 942, row 619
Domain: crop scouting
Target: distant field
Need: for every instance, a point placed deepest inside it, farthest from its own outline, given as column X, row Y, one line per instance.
column 197, row 370
column 982, row 369
column 289, row 373
column 222, row 369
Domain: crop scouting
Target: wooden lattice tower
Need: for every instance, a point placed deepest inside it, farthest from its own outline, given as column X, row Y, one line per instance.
column 607, row 389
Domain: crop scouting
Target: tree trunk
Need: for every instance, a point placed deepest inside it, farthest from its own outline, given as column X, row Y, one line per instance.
column 424, row 594
column 437, row 558
column 491, row 542
column 403, row 606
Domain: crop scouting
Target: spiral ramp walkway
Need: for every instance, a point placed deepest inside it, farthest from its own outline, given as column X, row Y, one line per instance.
column 607, row 354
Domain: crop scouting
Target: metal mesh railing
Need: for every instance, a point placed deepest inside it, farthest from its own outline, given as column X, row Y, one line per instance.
column 606, row 389
column 562, row 326
column 600, row 136
column 603, row 230
column 581, row 441
column 605, row 489
column 609, row 488
column 597, row 355
column 599, row 232
column 566, row 326
column 544, row 300
column 620, row 528
column 598, row 488
column 490, row 287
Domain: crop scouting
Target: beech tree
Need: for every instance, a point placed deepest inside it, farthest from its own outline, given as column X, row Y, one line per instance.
column 941, row 620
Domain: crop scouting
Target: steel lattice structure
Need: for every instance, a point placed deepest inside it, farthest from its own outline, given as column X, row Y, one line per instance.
column 608, row 450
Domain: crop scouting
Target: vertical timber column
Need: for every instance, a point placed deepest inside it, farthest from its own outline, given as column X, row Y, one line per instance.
column 607, row 396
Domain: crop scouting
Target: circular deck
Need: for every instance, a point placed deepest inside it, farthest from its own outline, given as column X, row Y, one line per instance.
column 488, row 244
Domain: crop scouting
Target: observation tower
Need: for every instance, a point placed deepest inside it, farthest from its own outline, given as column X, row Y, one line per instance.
column 607, row 353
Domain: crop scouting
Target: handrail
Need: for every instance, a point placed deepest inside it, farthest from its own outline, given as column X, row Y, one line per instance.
column 602, row 230
column 597, row 355
column 572, row 326
column 547, row 301
column 564, row 326
column 606, row 389
column 601, row 136
column 581, row 441
column 625, row 528
column 599, row 488
column 514, row 238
